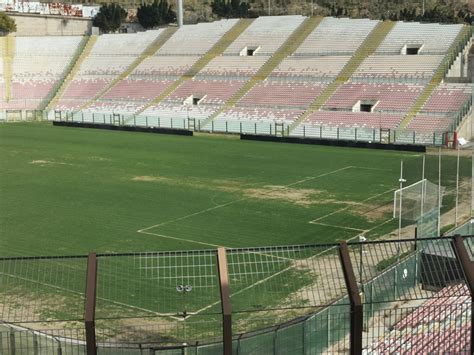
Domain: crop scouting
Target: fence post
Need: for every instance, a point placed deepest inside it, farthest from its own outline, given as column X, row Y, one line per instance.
column 225, row 300
column 468, row 269
column 357, row 314
column 12, row 342
column 35, row 344
column 89, row 315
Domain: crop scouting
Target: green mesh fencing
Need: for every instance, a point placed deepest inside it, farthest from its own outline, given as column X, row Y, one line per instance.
column 465, row 229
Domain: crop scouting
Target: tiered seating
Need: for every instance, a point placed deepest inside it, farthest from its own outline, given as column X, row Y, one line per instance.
column 259, row 114
column 425, row 123
column 373, row 120
column 124, row 44
column 271, row 93
column 36, row 70
column 233, row 66
column 396, row 97
column 441, row 324
column 132, row 89
column 164, row 66
column 435, row 38
column 448, row 98
column 398, row 68
column 80, row 90
column 169, row 63
column 335, row 36
column 280, row 92
column 195, row 40
column 212, row 92
column 179, row 112
column 268, row 33
column 109, row 57
column 120, row 107
column 323, row 68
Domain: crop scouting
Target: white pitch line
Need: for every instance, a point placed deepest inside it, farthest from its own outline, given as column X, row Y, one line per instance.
column 336, row 226
column 349, row 206
column 180, row 239
column 210, row 244
column 191, row 215
column 370, row 168
column 279, row 272
column 244, row 289
column 319, row 176
column 239, row 200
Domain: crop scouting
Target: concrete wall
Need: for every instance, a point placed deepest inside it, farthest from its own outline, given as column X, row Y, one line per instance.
column 41, row 25
column 466, row 129
column 470, row 68
column 460, row 68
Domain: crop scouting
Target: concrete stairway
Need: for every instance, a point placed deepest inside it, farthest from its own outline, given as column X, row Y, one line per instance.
column 148, row 52
column 72, row 70
column 215, row 51
column 367, row 48
column 286, row 49
column 7, row 50
column 461, row 39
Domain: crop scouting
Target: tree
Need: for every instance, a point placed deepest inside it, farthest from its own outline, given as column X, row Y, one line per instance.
column 109, row 17
column 7, row 24
column 158, row 13
column 230, row 8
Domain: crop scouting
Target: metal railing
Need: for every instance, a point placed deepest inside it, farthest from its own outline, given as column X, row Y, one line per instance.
column 319, row 298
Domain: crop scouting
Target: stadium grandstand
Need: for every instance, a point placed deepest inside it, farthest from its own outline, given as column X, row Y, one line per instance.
column 132, row 243
column 337, row 78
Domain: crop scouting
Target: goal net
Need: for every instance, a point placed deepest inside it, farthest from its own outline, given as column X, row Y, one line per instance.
column 419, row 204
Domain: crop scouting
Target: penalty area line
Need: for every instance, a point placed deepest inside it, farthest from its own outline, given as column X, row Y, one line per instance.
column 179, row 239
column 211, row 245
column 349, row 206
column 238, row 200
column 340, row 227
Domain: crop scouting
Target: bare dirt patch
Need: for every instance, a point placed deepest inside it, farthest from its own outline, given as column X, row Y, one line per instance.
column 147, row 178
column 372, row 212
column 302, row 197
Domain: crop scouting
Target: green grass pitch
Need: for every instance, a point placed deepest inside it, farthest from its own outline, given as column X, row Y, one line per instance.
column 71, row 191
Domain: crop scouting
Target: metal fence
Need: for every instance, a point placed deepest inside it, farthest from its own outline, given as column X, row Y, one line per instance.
column 252, row 127
column 374, row 297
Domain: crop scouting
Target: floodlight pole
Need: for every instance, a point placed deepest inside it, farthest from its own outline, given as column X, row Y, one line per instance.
column 180, row 13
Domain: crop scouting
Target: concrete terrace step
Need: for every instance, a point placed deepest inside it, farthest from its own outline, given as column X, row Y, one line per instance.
column 7, row 50
column 76, row 62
